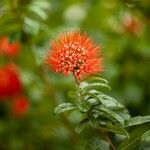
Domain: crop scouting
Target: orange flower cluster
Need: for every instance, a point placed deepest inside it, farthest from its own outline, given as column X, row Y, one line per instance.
column 7, row 48
column 10, row 84
column 76, row 53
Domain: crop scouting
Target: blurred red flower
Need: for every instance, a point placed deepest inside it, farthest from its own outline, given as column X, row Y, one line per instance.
column 20, row 106
column 10, row 84
column 132, row 24
column 7, row 48
column 74, row 52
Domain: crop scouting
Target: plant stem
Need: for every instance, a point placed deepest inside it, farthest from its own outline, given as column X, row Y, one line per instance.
column 106, row 137
column 77, row 85
column 109, row 141
column 76, row 80
column 90, row 117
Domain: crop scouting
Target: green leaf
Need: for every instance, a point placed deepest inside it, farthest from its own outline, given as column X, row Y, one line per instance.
column 135, row 138
column 93, row 98
column 64, row 107
column 93, row 101
column 82, row 125
column 72, row 94
column 42, row 4
column 144, row 146
column 38, row 11
column 108, row 101
column 95, row 86
column 84, row 106
column 96, row 144
column 31, row 26
column 116, row 129
column 103, row 111
column 124, row 113
column 94, row 79
column 39, row 8
column 146, row 136
column 137, row 120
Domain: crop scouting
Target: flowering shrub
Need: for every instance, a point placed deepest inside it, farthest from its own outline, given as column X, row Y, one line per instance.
column 75, row 53
column 117, row 49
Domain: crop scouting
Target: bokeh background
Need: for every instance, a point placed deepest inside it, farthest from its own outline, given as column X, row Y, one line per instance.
column 121, row 27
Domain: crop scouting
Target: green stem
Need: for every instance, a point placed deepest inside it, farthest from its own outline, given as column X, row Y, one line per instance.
column 76, row 80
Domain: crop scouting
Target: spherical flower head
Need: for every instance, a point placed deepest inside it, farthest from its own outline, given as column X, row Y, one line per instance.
column 74, row 52
column 10, row 84
column 20, row 106
column 7, row 48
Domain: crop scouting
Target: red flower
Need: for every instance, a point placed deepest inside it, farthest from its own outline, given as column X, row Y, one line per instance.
column 7, row 48
column 76, row 53
column 10, row 83
column 132, row 24
column 20, row 106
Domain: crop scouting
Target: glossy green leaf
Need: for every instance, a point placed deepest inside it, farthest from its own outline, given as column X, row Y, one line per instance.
column 110, row 102
column 93, row 101
column 95, row 86
column 95, row 79
column 93, row 98
column 144, row 146
column 84, row 106
column 115, row 103
column 82, row 125
column 134, row 141
column 103, row 111
column 124, row 113
column 106, row 100
column 137, row 120
column 116, row 129
column 146, row 136
column 96, row 144
column 64, row 107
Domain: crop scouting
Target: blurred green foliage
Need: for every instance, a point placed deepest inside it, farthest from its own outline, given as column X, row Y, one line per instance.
column 126, row 54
